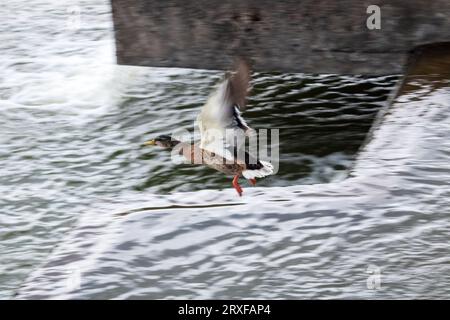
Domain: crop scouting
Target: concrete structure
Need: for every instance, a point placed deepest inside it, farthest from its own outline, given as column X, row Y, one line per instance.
column 315, row 36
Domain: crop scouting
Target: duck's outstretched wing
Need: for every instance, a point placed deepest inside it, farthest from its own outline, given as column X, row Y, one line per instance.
column 220, row 119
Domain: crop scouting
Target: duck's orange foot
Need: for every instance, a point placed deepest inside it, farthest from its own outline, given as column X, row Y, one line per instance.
column 237, row 186
column 252, row 182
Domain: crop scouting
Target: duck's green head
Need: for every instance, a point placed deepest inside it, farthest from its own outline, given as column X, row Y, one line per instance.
column 164, row 141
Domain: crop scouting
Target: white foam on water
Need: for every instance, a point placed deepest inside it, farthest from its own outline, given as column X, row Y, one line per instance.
column 69, row 73
column 80, row 87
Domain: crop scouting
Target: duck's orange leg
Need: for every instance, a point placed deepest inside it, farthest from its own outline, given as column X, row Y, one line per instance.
column 252, row 181
column 236, row 185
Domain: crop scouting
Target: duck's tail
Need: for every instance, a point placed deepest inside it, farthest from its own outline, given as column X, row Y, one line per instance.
column 265, row 170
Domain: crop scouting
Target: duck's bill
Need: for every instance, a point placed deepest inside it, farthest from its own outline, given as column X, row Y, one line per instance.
column 150, row 142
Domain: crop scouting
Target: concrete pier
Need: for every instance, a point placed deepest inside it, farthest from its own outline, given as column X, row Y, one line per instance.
column 314, row 36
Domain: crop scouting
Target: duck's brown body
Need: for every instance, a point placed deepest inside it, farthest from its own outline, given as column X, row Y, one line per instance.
column 196, row 155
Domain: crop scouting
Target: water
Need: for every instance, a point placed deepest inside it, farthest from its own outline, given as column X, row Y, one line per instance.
column 87, row 212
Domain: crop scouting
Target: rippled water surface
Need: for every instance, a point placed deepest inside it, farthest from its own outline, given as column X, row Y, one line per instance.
column 87, row 212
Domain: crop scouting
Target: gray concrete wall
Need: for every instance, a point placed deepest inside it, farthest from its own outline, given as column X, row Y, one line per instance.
column 313, row 36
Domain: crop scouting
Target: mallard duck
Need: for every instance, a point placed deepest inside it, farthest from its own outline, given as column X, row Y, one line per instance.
column 220, row 122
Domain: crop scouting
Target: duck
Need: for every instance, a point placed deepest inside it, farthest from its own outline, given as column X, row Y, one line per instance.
column 222, row 132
